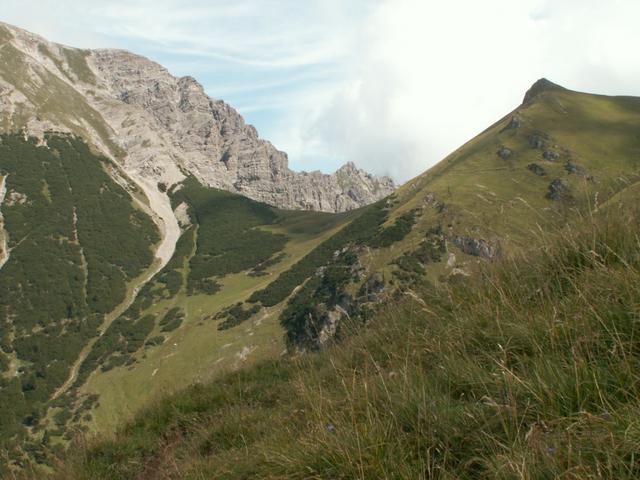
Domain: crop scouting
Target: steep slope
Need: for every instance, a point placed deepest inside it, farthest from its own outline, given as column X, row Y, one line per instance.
column 91, row 327
column 90, row 335
column 552, row 161
column 161, row 128
column 478, row 204
column 41, row 90
column 560, row 150
column 96, row 148
column 76, row 242
column 231, row 247
column 527, row 370
column 211, row 141
column 487, row 314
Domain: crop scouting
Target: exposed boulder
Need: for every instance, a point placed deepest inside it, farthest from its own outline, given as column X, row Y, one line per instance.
column 459, row 272
column 16, row 198
column 182, row 215
column 576, row 169
column 550, row 155
column 536, row 169
column 559, row 190
column 504, row 152
column 538, row 141
column 329, row 327
column 514, row 123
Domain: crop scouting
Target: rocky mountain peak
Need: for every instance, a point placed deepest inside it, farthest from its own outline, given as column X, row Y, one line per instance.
column 214, row 143
column 165, row 127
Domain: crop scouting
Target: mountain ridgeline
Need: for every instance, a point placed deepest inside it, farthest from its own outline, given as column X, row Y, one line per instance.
column 487, row 317
column 171, row 289
column 161, row 128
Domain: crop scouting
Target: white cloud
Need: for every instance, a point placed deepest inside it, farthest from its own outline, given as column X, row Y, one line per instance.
column 428, row 75
column 393, row 85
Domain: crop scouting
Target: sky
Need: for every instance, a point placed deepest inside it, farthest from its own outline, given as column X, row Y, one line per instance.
column 392, row 85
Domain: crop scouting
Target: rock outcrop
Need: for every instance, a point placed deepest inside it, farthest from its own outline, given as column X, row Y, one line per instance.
column 504, row 153
column 476, row 247
column 576, row 169
column 160, row 127
column 559, row 190
column 550, row 156
column 536, row 169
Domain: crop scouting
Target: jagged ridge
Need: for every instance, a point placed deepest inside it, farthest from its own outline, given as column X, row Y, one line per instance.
column 162, row 127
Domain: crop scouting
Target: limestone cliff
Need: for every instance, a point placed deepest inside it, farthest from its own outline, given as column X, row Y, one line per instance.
column 161, row 128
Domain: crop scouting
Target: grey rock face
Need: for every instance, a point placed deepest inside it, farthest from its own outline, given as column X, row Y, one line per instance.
column 513, row 124
column 476, row 247
column 162, row 128
column 210, row 140
column 537, row 141
column 551, row 156
column 576, row 169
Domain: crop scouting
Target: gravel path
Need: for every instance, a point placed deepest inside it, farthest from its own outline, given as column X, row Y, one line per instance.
column 4, row 242
column 170, row 230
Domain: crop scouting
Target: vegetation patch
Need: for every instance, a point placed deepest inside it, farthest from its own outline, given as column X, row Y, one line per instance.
column 229, row 239
column 74, row 245
column 412, row 265
column 172, row 277
column 172, row 319
column 235, row 315
column 307, row 312
column 260, row 269
column 358, row 232
column 396, row 232
column 155, row 341
column 528, row 370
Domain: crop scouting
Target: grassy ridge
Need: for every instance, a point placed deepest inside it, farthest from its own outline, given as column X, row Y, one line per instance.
column 495, row 197
column 528, row 370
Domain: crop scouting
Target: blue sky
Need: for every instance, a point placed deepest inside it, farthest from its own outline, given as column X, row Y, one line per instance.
column 392, row 85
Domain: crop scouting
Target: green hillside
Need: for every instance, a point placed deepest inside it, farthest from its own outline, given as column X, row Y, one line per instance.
column 423, row 318
column 85, row 341
column 526, row 370
column 189, row 324
column 558, row 157
column 75, row 242
column 489, row 289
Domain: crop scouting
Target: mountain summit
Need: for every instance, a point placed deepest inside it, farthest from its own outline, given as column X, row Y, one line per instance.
column 540, row 86
column 161, row 128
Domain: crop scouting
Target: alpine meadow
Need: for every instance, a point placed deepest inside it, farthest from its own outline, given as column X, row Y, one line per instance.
column 177, row 303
